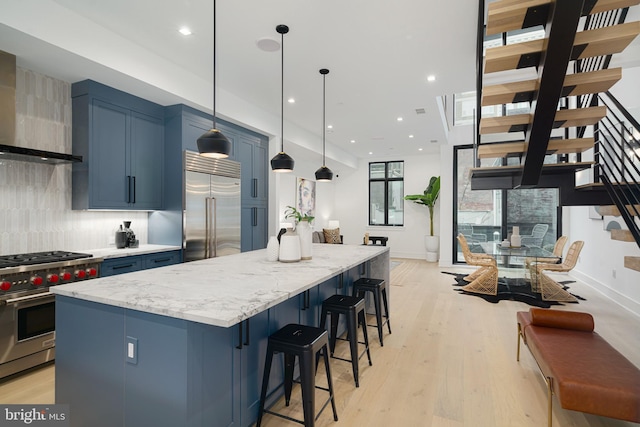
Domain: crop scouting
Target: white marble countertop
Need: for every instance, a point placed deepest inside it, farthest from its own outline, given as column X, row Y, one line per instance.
column 220, row 291
column 113, row 252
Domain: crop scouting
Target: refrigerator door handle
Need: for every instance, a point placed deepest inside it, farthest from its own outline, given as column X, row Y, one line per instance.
column 208, row 218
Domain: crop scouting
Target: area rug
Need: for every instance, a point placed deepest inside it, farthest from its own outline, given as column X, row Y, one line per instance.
column 514, row 290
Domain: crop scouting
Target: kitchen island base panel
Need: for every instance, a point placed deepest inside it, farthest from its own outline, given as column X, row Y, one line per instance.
column 181, row 372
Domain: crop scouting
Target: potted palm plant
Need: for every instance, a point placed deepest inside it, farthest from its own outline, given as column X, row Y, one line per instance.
column 428, row 198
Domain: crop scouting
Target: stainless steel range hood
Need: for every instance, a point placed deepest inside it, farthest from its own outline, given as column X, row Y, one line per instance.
column 8, row 149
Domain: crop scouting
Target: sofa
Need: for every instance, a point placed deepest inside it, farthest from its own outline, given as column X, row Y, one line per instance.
column 319, row 237
column 580, row 368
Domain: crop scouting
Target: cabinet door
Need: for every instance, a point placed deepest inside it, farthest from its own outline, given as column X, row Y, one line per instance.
column 147, row 161
column 253, row 355
column 191, row 131
column 260, row 171
column 109, row 175
column 244, row 155
column 253, row 228
column 161, row 259
column 111, row 267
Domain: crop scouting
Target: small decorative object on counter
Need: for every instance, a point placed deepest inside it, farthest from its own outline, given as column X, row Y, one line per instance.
column 273, row 249
column 505, row 243
column 289, row 247
column 121, row 238
column 303, row 229
column 366, row 238
column 516, row 242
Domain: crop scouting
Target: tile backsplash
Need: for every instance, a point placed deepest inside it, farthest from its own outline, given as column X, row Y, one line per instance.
column 35, row 199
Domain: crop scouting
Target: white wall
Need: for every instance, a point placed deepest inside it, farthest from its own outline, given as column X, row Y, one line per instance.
column 352, row 206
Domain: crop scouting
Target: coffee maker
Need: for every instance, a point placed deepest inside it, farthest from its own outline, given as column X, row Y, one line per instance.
column 125, row 237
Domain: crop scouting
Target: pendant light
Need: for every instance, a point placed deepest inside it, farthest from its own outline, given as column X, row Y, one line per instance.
column 324, row 173
column 282, row 162
column 213, row 143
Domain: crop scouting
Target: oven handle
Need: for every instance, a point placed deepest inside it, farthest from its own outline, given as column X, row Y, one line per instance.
column 28, row 298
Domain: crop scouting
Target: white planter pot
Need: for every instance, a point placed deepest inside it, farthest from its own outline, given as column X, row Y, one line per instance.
column 432, row 243
column 273, row 249
column 306, row 239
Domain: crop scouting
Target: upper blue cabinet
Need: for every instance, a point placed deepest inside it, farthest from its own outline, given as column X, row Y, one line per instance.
column 121, row 139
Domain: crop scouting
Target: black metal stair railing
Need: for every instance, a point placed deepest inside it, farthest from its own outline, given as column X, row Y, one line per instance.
column 618, row 160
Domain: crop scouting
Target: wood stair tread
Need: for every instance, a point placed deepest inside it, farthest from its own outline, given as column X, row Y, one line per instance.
column 513, row 169
column 574, row 84
column 612, row 210
column 507, row 15
column 564, row 118
column 597, row 42
column 632, row 262
column 622, row 235
column 556, row 146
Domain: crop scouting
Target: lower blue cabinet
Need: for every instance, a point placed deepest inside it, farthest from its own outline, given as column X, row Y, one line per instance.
column 127, row 264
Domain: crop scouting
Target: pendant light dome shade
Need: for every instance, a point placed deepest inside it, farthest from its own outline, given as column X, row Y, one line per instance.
column 213, row 143
column 324, row 173
column 282, row 162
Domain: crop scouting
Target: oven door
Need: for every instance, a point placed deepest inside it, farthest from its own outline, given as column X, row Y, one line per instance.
column 27, row 325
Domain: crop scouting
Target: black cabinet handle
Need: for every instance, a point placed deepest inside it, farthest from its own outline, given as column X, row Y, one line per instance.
column 134, row 189
column 242, row 339
column 128, row 188
column 306, row 300
column 255, row 217
column 161, row 260
column 118, row 267
column 239, row 346
column 254, row 191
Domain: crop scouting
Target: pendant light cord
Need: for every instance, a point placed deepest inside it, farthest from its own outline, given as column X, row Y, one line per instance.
column 282, row 93
column 324, row 109
column 215, row 39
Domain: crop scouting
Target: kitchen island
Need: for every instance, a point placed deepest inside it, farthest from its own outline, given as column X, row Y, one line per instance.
column 184, row 345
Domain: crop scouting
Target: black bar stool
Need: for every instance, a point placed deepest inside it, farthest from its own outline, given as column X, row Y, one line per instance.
column 304, row 342
column 353, row 307
column 378, row 288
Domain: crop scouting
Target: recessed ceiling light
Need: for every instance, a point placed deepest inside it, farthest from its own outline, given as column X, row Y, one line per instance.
column 431, row 78
column 370, row 152
column 399, row 119
column 419, row 149
column 185, row 31
column 291, row 101
column 410, row 136
column 329, row 126
column 267, row 44
column 353, row 141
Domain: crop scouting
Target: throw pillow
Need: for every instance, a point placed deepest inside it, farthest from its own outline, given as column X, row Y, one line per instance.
column 332, row 236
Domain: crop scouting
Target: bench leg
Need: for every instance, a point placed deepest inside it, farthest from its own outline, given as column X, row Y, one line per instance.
column 519, row 335
column 549, row 400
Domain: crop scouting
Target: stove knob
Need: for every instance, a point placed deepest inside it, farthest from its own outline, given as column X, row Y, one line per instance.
column 92, row 272
column 36, row 280
column 5, row 286
column 80, row 274
column 66, row 276
column 53, row 278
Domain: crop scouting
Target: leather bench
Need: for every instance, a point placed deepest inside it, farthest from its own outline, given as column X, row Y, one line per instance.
column 582, row 369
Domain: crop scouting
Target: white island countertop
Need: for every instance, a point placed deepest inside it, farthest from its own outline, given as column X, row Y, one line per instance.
column 113, row 252
column 220, row 291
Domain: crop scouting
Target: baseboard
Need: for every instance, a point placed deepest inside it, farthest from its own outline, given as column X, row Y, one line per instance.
column 620, row 299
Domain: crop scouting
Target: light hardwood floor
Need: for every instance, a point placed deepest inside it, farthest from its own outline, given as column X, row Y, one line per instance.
column 450, row 361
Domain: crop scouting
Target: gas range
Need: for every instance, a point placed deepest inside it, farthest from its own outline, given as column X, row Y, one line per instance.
column 23, row 274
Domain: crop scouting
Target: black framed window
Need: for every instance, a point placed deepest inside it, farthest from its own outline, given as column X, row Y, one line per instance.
column 386, row 193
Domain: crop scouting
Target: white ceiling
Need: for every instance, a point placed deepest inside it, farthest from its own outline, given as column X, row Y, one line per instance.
column 379, row 54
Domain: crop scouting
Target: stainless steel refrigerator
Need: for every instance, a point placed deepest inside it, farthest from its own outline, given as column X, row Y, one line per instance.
column 211, row 200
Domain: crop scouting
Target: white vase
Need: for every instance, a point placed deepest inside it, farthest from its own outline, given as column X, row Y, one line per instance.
column 273, row 248
column 432, row 243
column 289, row 247
column 306, row 239
column 516, row 241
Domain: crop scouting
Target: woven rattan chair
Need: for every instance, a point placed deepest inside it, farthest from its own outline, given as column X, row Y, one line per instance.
column 546, row 285
column 485, row 279
column 553, row 291
column 530, row 262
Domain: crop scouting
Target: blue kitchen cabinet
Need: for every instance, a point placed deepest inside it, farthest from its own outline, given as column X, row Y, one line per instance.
column 121, row 140
column 183, row 126
column 128, row 264
column 253, row 231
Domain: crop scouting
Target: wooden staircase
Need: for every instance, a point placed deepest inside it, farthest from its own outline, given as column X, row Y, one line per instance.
column 623, row 235
column 552, row 56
